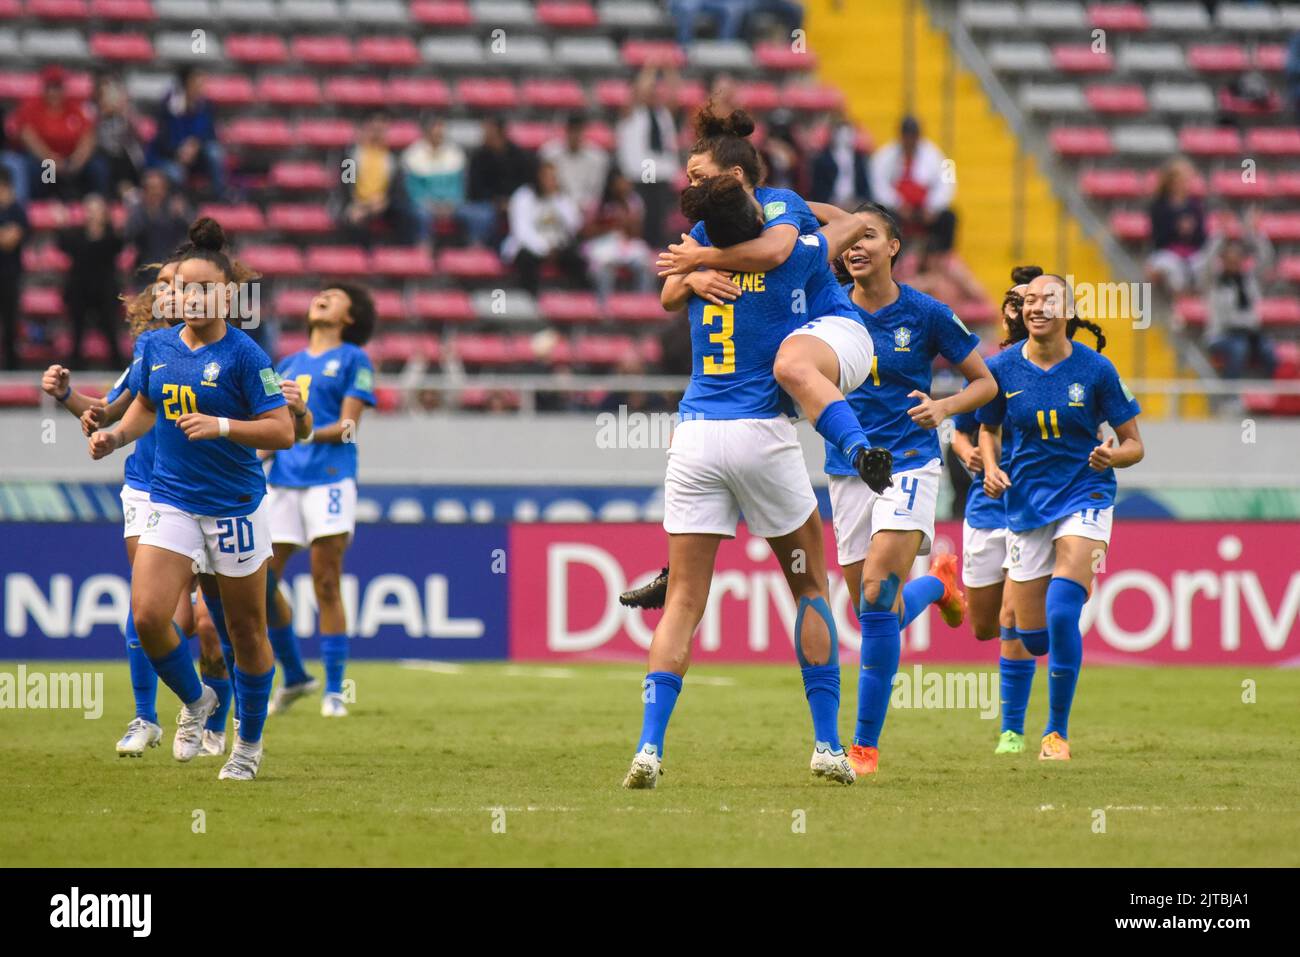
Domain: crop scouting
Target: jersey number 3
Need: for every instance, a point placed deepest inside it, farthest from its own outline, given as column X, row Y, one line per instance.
column 178, row 400
column 727, row 316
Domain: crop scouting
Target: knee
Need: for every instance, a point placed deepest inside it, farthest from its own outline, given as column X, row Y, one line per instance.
column 151, row 618
column 326, row 584
column 213, row 666
column 792, row 370
column 878, row 594
column 985, row 632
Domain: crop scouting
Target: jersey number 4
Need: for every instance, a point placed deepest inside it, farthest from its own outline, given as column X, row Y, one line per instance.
column 178, row 400
column 726, row 315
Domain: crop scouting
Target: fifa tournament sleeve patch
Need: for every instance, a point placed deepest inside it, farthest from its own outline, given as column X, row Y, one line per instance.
column 270, row 381
column 773, row 210
column 1123, row 387
column 364, row 381
column 961, row 325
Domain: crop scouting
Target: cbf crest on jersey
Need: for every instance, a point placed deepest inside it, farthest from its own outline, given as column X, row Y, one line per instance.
column 902, row 339
column 1075, row 392
column 331, row 368
column 210, row 373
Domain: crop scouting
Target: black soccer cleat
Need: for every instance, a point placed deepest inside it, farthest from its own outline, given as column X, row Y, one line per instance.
column 650, row 595
column 874, row 467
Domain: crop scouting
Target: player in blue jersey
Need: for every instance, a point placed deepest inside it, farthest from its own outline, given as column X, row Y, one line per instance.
column 1054, row 394
column 879, row 536
column 214, row 398
column 736, row 451
column 313, row 488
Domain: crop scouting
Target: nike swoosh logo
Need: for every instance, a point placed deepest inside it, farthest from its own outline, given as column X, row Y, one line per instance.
column 157, row 367
column 1012, row 395
column 240, row 561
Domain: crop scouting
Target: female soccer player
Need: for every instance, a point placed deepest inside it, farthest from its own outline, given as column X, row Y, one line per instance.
column 1054, row 394
column 220, row 401
column 736, row 451
column 313, row 488
column 879, row 535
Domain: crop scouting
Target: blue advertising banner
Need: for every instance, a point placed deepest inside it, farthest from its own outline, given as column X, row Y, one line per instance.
column 411, row 591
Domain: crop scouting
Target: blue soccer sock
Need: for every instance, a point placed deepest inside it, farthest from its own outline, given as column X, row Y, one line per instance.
column 285, row 645
column 176, row 669
column 881, row 647
column 254, row 692
column 1017, row 681
column 217, row 612
column 334, row 655
column 144, row 680
column 1034, row 639
column 217, row 720
column 838, row 424
column 918, row 595
column 821, row 683
column 1065, row 600
column 659, row 694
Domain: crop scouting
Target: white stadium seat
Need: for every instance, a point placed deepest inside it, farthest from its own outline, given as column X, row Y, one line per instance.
column 56, row 45
column 1145, row 140
column 993, row 17
column 1178, row 18
column 1052, row 98
column 1182, row 98
column 1151, row 58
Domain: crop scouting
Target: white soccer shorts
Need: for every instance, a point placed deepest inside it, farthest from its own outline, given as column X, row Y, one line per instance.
column 719, row 468
column 983, row 556
column 907, row 505
column 1032, row 554
column 234, row 547
column 135, row 509
column 851, row 343
column 299, row 516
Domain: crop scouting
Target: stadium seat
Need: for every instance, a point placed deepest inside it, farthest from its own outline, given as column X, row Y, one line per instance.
column 20, row 396
column 559, row 306
column 122, row 47
column 452, row 51
column 376, row 12
column 299, row 218
column 1130, row 225
column 314, row 12
column 734, row 55
column 329, row 133
column 1209, row 141
column 441, row 305
column 1247, row 18
column 286, row 90
column 994, row 16
column 812, row 97
column 1113, row 184
column 636, row 307
column 56, row 45
column 558, row 94
column 261, row 12
column 482, row 349
column 292, row 304
column 223, row 89
column 1081, row 58
column 1280, row 227
column 530, row 135
column 259, row 132
column 1182, row 98
column 1270, row 57
column 1186, row 17
column 504, row 13
column 186, row 11
column 1288, row 268
column 1273, row 141
column 1231, row 184
column 182, row 48
column 388, row 51
column 368, row 91
column 322, row 50
column 423, row 92
column 637, row 53
column 441, row 13
column 46, row 257
column 586, row 53
column 631, row 15
column 1057, row 98
column 134, row 11
column 1217, row 58
column 470, row 263
column 487, row 94
column 593, row 350
column 403, row 262
column 1026, row 57
column 1125, row 99
column 275, row 261
column 1151, row 58
column 1287, row 183
column 1145, row 139
column 58, row 9
column 258, row 48
column 236, row 218
column 512, row 306
column 1121, row 17
column 759, row 97
column 566, row 14
column 1081, row 141
column 389, row 306
column 610, row 94
column 42, row 302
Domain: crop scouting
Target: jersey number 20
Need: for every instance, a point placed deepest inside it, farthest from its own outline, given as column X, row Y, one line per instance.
column 727, row 316
column 178, row 400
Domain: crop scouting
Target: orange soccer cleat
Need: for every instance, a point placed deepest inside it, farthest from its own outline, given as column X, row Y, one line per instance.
column 1055, row 748
column 864, row 760
column 952, row 606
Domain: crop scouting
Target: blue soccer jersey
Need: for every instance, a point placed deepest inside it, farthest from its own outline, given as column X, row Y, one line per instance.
column 325, row 380
column 138, row 470
column 823, row 295
column 908, row 334
column 733, row 346
column 231, row 377
column 982, row 511
column 1055, row 414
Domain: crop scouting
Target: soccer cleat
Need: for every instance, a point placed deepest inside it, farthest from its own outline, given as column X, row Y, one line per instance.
column 874, row 467
column 140, row 734
column 952, row 606
column 863, row 760
column 645, row 771
column 214, row 743
column 1055, row 748
column 245, row 759
column 331, row 706
column 288, row 694
column 651, row 595
column 832, row 765
column 189, row 725
column 1010, row 743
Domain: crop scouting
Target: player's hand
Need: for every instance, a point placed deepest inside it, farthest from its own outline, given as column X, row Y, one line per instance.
column 293, row 397
column 197, row 426
column 680, row 258
column 973, row 461
column 928, row 412
column 712, row 286
column 1103, row 456
column 996, row 482
column 54, row 381
column 103, row 444
column 92, row 420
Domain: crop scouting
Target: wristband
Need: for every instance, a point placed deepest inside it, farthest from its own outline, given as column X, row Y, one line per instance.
column 310, row 436
column 67, row 395
column 223, row 426
column 302, row 414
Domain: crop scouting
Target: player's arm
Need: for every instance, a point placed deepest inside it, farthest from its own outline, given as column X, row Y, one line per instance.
column 138, row 420
column 56, row 382
column 996, row 481
column 842, row 232
column 345, row 429
column 709, row 284
column 303, row 420
column 754, row 255
column 272, row 429
column 980, row 388
column 100, row 416
column 967, row 451
column 1129, row 451
column 828, row 212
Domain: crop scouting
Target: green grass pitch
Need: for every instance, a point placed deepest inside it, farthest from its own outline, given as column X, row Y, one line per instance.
column 495, row 764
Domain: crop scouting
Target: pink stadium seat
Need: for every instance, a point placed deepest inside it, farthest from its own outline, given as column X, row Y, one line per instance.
column 651, row 349
column 471, row 263
column 442, row 13
column 1128, row 98
column 1230, row 184
column 329, row 133
column 290, row 174
column 690, row 94
column 1119, row 16
column 1081, row 141
column 356, row 91
column 390, row 348
column 322, row 50
column 483, row 349
column 1192, row 310
column 404, row 262
column 442, row 305
column 338, row 260
column 1082, row 58
column 418, row 91
column 487, row 94
column 263, row 132
column 1224, row 221
column 402, row 133
column 293, row 304
column 289, row 90
column 42, row 301
column 566, row 14
column 18, row 86
column 11, row 9
column 1281, row 227
column 976, row 312
column 235, row 218
column 1217, row 58
column 255, row 48
column 231, row 89
column 611, row 94
column 601, row 350
column 388, row 51
column 388, row 304
column 812, row 97
column 1270, row 57
column 44, row 258
column 1280, row 311
column 599, row 134
column 273, row 261
column 289, row 342
column 759, row 96
column 1130, row 225
column 121, row 47
column 299, row 218
column 1287, row 183
column 1242, row 107
column 779, row 56
column 1209, row 141
column 20, row 396
column 58, row 9
column 1274, row 140
column 140, row 11
column 557, row 306
column 530, row 135
column 428, row 346
column 636, row 307
column 637, row 53
column 559, row 94
column 1113, row 183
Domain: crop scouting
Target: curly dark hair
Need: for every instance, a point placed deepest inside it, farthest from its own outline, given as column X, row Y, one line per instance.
column 726, row 139
column 726, row 209
column 361, row 307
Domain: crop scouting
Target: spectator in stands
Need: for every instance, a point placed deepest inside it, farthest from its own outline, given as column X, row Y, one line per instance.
column 1177, row 228
column 841, row 173
column 646, row 403
column 117, row 145
column 618, row 244
column 911, row 177
column 496, row 170
column 434, row 168
column 157, row 219
column 13, row 232
column 13, row 161
column 787, row 13
column 582, row 168
column 544, row 226
column 1292, row 68
column 91, row 288
column 647, row 149
column 186, row 143
column 945, row 277
column 54, row 127
column 1230, row 281
column 374, row 196
column 728, row 17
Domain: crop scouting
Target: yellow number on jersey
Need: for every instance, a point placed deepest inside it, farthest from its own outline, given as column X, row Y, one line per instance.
column 304, row 385
column 727, row 316
column 875, row 371
column 178, row 395
column 1043, row 420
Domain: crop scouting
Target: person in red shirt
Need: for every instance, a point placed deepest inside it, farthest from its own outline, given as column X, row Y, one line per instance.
column 57, row 129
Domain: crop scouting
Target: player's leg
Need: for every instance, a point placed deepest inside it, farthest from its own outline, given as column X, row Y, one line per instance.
column 326, row 577
column 216, row 675
column 144, row 730
column 984, row 555
column 285, row 510
column 244, row 599
column 1077, row 558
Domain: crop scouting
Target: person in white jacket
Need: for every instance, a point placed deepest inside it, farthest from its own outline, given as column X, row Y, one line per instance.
column 913, row 178
column 544, row 225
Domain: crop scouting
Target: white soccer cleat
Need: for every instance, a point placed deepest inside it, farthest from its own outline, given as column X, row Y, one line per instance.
column 645, row 771
column 214, row 743
column 140, row 734
column 833, row 765
column 331, row 706
column 288, row 694
column 245, row 759
column 189, row 725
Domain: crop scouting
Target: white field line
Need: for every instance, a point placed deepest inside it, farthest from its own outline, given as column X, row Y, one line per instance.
column 563, row 809
column 548, row 671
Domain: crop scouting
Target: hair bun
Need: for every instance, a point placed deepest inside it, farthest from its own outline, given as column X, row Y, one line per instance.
column 708, row 122
column 206, row 233
column 740, row 123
